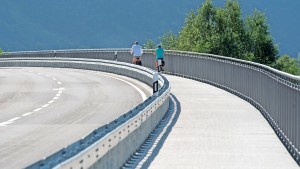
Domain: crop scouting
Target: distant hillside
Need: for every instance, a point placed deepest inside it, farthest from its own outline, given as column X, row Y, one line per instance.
column 63, row 24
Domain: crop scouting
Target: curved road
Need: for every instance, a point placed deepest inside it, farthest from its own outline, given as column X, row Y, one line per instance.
column 44, row 109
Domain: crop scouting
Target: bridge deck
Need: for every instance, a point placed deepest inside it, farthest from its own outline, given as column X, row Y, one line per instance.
column 217, row 129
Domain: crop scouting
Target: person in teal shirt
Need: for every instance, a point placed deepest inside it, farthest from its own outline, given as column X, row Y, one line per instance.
column 159, row 53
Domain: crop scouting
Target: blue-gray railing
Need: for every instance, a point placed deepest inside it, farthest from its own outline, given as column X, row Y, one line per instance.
column 274, row 93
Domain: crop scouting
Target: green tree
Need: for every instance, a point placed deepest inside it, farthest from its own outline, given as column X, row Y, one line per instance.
column 150, row 44
column 287, row 64
column 214, row 30
column 1, row 51
column 169, row 41
column 260, row 43
column 199, row 29
column 205, row 23
column 187, row 35
column 223, row 31
column 229, row 31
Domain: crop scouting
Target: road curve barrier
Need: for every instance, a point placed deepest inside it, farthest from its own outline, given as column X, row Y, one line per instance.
column 111, row 145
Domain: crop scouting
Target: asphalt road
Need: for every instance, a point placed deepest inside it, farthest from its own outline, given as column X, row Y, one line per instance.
column 44, row 109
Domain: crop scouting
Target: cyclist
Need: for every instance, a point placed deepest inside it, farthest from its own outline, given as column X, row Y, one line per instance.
column 159, row 53
column 136, row 51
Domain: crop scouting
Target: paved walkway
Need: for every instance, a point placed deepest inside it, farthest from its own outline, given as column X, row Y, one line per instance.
column 218, row 130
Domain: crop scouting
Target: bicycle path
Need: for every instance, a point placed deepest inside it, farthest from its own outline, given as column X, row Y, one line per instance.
column 218, row 130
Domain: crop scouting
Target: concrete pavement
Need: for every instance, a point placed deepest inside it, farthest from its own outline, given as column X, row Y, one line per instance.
column 218, row 130
column 42, row 110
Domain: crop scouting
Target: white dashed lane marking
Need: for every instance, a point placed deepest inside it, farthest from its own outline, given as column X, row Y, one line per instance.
column 46, row 105
column 58, row 94
column 38, row 109
column 51, row 101
column 5, row 123
column 14, row 119
column 60, row 90
column 26, row 114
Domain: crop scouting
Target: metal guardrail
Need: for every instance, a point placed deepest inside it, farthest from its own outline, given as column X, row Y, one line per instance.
column 274, row 93
column 116, row 134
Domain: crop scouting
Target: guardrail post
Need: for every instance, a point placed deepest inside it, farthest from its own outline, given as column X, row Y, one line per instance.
column 159, row 65
column 155, row 84
column 116, row 56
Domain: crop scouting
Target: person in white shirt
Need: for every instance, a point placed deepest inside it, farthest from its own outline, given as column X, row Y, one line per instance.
column 136, row 51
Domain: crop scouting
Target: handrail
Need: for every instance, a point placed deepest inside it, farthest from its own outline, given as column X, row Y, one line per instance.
column 236, row 60
column 182, row 53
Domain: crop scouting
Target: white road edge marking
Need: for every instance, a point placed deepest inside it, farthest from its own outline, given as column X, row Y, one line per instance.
column 59, row 83
column 54, row 78
column 144, row 97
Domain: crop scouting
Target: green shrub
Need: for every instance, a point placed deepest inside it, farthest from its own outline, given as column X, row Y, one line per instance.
column 287, row 64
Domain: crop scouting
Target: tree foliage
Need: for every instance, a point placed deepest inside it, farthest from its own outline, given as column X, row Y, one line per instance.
column 1, row 51
column 187, row 36
column 287, row 64
column 222, row 31
column 198, row 32
column 169, row 41
column 260, row 42
column 230, row 33
column 150, row 44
